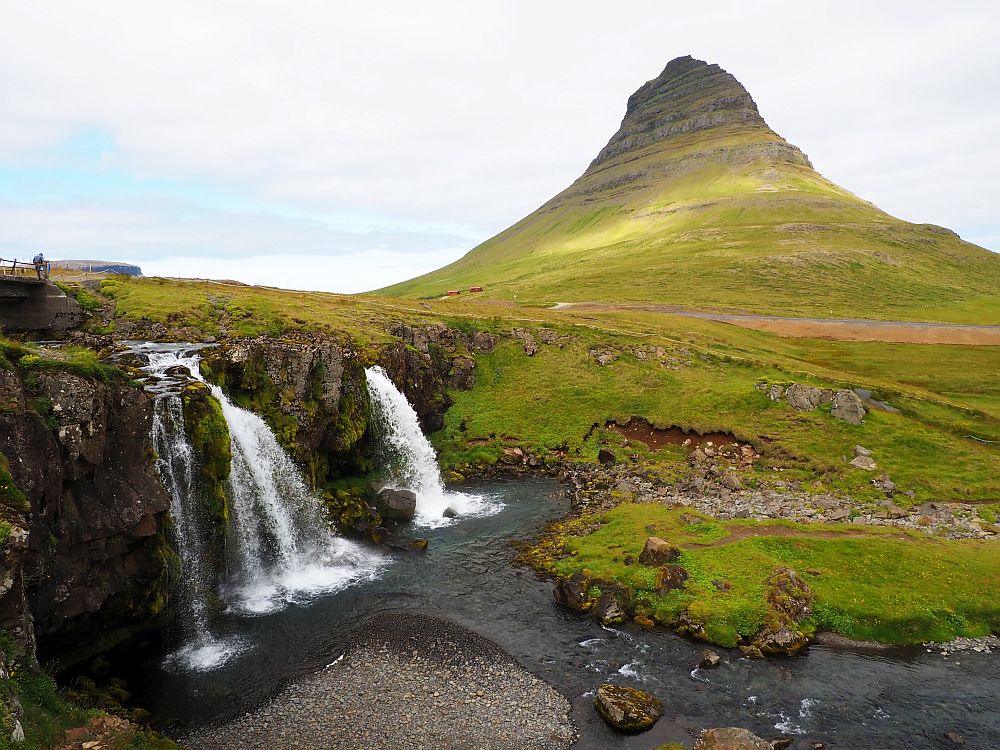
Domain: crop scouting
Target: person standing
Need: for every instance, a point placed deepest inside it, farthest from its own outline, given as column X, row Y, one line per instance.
column 39, row 261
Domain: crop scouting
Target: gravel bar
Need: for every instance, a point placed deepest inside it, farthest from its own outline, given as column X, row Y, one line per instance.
column 406, row 682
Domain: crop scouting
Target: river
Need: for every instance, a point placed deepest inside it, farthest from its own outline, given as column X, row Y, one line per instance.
column 845, row 699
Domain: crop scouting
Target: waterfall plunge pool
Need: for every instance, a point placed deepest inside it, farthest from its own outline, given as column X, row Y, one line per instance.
column 843, row 698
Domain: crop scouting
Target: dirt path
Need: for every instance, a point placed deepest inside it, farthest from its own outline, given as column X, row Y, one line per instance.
column 837, row 329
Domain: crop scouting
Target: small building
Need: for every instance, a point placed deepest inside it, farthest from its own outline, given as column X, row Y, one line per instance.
column 453, row 292
column 475, row 289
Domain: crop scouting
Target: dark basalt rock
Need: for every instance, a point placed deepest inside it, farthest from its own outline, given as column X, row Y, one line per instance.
column 658, row 551
column 572, row 593
column 396, row 505
column 688, row 96
column 627, row 709
column 98, row 562
column 670, row 577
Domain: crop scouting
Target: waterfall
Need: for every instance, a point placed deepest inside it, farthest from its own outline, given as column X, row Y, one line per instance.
column 280, row 549
column 410, row 461
column 202, row 650
column 283, row 550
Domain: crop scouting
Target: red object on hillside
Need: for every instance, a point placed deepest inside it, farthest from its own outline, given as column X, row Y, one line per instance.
column 475, row 289
column 453, row 292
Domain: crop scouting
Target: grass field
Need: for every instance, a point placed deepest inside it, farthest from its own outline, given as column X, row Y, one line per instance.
column 872, row 584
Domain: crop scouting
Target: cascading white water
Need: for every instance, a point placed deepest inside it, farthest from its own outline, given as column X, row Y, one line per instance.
column 410, row 459
column 175, row 464
column 283, row 549
column 279, row 547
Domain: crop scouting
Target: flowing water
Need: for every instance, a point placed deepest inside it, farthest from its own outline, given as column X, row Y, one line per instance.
column 410, row 461
column 279, row 548
column 847, row 699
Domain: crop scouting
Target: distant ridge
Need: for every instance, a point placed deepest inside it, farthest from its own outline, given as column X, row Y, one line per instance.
column 99, row 266
column 695, row 201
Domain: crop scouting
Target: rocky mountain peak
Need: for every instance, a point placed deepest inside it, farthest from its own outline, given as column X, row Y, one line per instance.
column 688, row 96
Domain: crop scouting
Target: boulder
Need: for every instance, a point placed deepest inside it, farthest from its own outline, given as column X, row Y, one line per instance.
column 178, row 371
column 627, row 709
column 400, row 543
column 731, row 482
column 803, row 397
column 658, row 551
column 730, row 738
column 789, row 601
column 609, row 611
column 670, row 577
column 449, row 512
column 572, row 593
column 848, row 406
column 484, row 342
column 709, row 659
column 396, row 505
column 602, row 357
column 606, row 457
column 775, row 392
column 865, row 463
column 883, row 483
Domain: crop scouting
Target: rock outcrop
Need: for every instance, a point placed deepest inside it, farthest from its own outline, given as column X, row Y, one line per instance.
column 98, row 560
column 310, row 389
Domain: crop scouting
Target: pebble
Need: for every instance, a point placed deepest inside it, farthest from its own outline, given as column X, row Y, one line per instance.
column 407, row 682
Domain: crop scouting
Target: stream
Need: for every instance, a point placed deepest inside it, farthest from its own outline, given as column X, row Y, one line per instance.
column 843, row 698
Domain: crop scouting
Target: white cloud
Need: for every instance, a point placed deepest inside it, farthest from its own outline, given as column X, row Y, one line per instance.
column 349, row 273
column 473, row 114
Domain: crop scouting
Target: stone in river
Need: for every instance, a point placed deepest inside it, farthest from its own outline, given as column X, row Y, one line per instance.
column 627, row 709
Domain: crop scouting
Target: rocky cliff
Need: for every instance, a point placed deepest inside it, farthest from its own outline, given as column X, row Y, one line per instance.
column 96, row 564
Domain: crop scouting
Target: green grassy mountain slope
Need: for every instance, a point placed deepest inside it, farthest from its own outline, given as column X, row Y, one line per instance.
column 695, row 201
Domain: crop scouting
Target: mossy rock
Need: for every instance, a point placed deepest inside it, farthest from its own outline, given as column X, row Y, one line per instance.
column 627, row 709
column 208, row 433
column 10, row 494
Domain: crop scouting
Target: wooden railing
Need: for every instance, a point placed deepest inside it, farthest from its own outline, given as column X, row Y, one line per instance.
column 24, row 269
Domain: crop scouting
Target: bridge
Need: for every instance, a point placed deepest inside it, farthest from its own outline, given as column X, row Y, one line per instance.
column 29, row 303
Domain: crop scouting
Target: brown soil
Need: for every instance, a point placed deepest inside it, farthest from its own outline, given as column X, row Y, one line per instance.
column 891, row 331
column 655, row 438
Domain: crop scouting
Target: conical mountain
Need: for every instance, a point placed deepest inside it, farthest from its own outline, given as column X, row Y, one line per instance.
column 695, row 201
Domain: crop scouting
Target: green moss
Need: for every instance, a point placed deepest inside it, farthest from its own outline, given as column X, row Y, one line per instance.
column 169, row 563
column 869, row 583
column 10, row 494
column 208, row 433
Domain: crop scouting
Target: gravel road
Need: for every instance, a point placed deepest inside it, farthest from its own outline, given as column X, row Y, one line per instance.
column 412, row 682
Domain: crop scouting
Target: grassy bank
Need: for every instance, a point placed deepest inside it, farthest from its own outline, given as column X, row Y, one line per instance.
column 870, row 583
column 550, row 402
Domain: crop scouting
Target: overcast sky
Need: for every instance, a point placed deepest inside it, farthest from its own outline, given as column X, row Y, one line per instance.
column 335, row 146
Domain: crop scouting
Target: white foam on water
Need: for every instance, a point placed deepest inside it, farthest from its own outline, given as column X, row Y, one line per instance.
column 629, row 670
column 806, row 707
column 786, row 725
column 594, row 642
column 204, row 654
column 345, row 564
column 411, row 461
